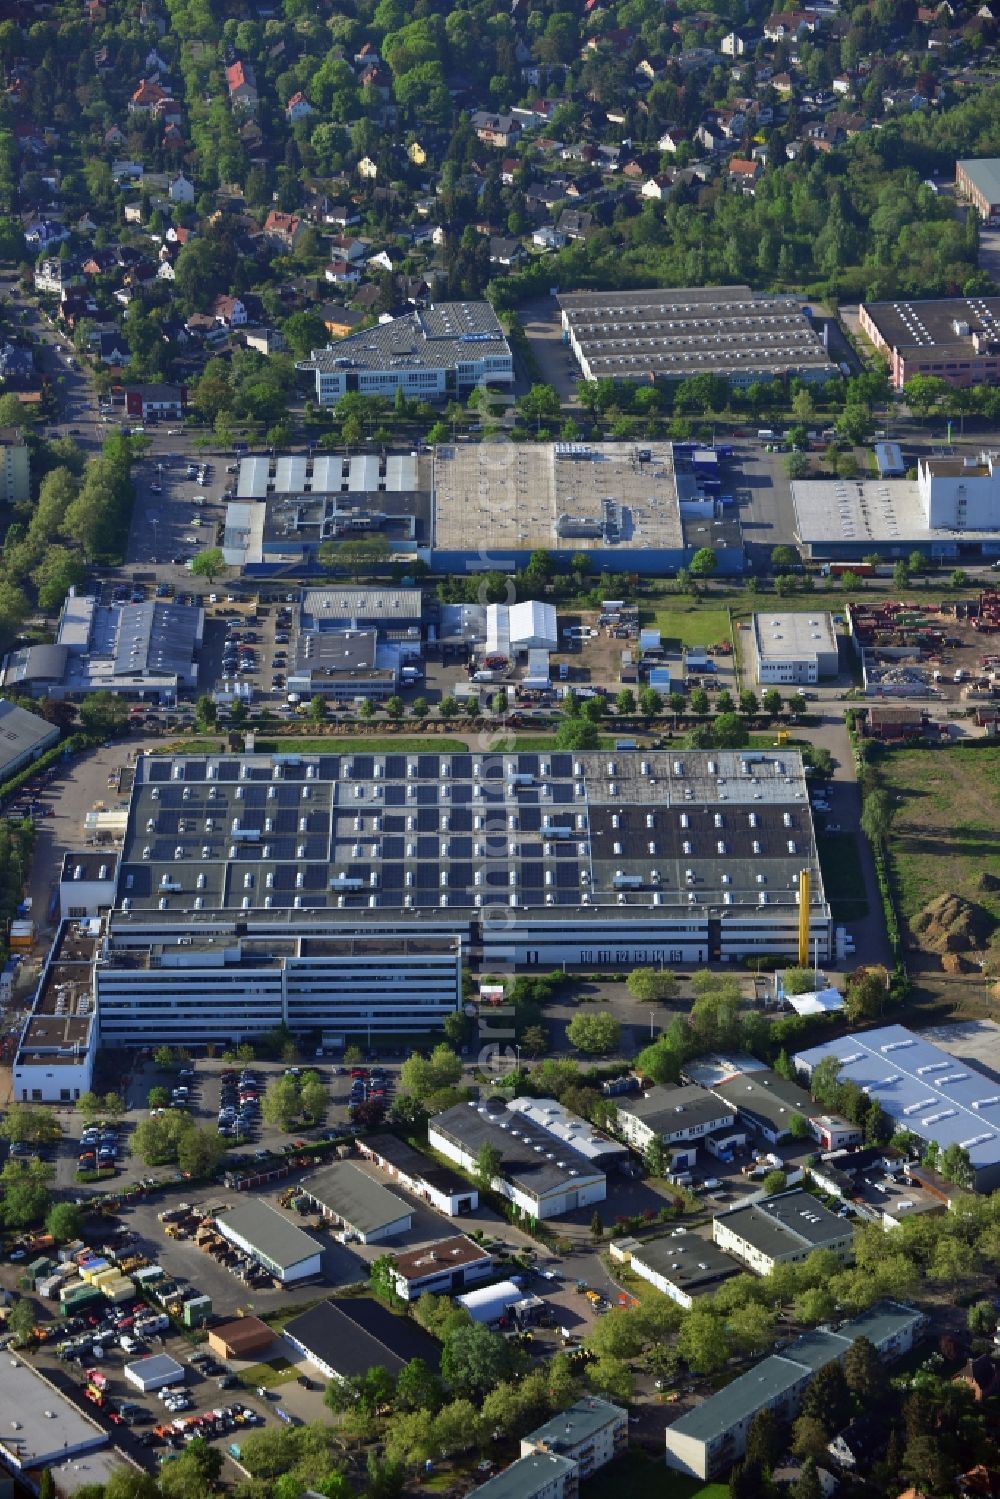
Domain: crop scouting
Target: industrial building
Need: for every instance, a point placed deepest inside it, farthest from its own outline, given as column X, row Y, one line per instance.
column 441, row 1269
column 366, row 1210
column 54, row 1060
column 590, row 1433
column 433, row 353
column 542, row 1175
column 497, row 1304
column 287, row 1253
column 767, row 1101
column 444, row 1189
column 558, row 1121
column 514, row 629
column 781, row 1230
column 924, row 1090
column 954, row 338
column 978, row 181
column 347, row 1336
column 684, row 1266
column 674, row 1116
column 23, row 737
column 792, row 649
column 709, row 1439
column 87, row 882
column 674, row 333
column 341, row 667
column 133, row 650
column 42, row 1427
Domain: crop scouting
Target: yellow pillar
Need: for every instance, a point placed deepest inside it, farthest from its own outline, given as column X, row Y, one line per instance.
column 804, row 918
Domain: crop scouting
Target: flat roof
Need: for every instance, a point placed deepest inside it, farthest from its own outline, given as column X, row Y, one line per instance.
column 559, row 1121
column 537, row 1171
column 527, row 1476
column 441, row 336
column 761, row 1386
column 688, row 1261
column 363, row 1203
column 984, row 174
column 777, row 1225
column 921, row 1087
column 680, row 331
column 49, row 1424
column 445, row 1254
column 353, row 1334
column 93, row 864
column 576, row 496
column 581, row 1421
column 155, row 1365
column 668, row 1109
column 267, row 1231
column 639, row 832
column 357, row 606
column 789, row 636
column 862, row 510
column 945, row 324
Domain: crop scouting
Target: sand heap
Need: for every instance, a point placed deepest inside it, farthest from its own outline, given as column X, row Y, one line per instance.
column 952, row 924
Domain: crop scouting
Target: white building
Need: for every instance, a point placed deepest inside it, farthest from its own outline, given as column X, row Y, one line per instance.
column 673, row 1115
column 513, row 629
column 284, row 1251
column 591, row 1433
column 793, row 649
column 543, row 1182
column 54, row 1061
column 87, row 883
column 540, row 1475
column 441, row 1269
column 444, row 1189
column 366, row 1211
column 782, row 1229
column 23, row 737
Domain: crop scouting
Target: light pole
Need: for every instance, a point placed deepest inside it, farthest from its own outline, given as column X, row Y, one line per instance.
column 155, row 524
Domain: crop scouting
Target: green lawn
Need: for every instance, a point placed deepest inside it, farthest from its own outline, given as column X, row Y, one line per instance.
column 274, row 1372
column 643, row 1477
column 946, row 817
column 843, row 881
column 342, row 745
column 692, row 623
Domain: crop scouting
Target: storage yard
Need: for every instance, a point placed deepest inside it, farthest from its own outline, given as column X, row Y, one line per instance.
column 945, row 650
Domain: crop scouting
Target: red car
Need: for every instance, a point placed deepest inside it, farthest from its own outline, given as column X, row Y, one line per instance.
column 359, row 1072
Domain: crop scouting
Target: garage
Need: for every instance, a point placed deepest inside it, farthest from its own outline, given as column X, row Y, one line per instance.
column 287, row 1253
column 154, row 1373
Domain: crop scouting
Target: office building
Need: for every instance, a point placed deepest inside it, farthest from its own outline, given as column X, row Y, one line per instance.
column 444, row 1189
column 794, row 649
column 590, row 1433
column 23, row 737
column 684, row 1266
column 287, row 1253
column 924, row 1090
column 954, row 338
column 341, row 667
column 781, row 1230
column 434, row 353
column 675, row 1116
column 767, row 1101
column 347, row 1336
column 15, row 477
column 132, row 650
column 674, row 333
column 542, row 1175
column 441, row 1269
column 709, row 1439
column 366, row 1210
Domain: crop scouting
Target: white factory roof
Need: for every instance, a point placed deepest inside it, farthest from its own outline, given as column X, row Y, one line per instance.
column 488, row 1303
column 40, row 1426
column 863, row 510
column 792, row 636
column 557, row 1121
column 818, row 1002
column 243, row 537
column 921, row 1088
column 524, row 626
column 253, row 477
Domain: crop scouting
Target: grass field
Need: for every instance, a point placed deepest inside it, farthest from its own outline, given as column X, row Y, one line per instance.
column 274, row 1372
column 337, row 745
column 843, row 880
column 691, row 623
column 945, row 832
column 643, row 1477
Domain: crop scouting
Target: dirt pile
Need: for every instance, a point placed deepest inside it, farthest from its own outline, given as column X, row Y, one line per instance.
column 952, row 924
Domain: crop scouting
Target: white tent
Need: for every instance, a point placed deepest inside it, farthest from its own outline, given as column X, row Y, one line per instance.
column 490, row 1303
column 533, row 626
column 817, row 1002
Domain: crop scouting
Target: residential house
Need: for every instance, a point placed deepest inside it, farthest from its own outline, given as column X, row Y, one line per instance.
column 575, row 224
column 673, row 1116
column 860, row 1445
column 124, row 170
column 500, row 130
column 112, row 349
column 367, row 169
column 341, row 321
column 417, row 154
column 86, row 223
column 53, row 275
column 737, row 43
column 145, row 96
column 181, row 189
column 114, row 137
column 346, row 247
column 17, row 367
column 657, row 188
column 672, row 139
column 368, row 55
column 377, row 80
column 266, row 341
column 790, row 25
column 154, row 62
column 298, row 108
column 843, row 83
column 165, row 270
column 133, row 213
column 342, row 273
column 548, row 237
column 152, row 402
column 342, row 215
column 229, row 312
column 173, row 140
column 981, row 1376
column 505, row 251
column 744, row 174
column 241, row 81
column 282, row 231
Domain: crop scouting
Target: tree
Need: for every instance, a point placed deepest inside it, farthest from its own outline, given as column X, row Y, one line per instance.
column 699, row 701
column 208, row 564
column 165, row 1058
column 46, row 1485
column 103, row 714
column 652, row 985
column 419, row 708
column 656, row 1159
column 199, row 1151
column 25, row 1124
column 205, row 712
column 729, row 731
column 474, row 1359
column 21, row 1319
column 612, row 1378
column 764, row 1441
column 783, row 558
column 317, row 708
column 925, row 1465
column 827, row 1399
column 704, row 563
column 824, row 1082
column 282, row 1103
column 489, row 1164
column 864, row 1374
column 876, row 815
column 421, row 1076
column 650, row 702
column 807, row 1485
column 702, row 1342
column 774, row 1181
column 88, row 1106
column 195, row 1472
column 596, row 1034
column 63, row 1222
column 771, row 702
column 596, row 1226
column 625, row 702
column 577, row 734
column 866, row 995
column 798, row 1127
column 535, row 1041
column 158, row 1098
column 418, row 1387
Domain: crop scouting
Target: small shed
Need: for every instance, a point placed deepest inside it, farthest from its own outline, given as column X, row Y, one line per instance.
column 240, row 1338
column 154, row 1373
column 889, row 460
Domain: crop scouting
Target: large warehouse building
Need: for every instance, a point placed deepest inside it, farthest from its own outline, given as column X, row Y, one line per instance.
column 951, row 511
column 338, row 892
column 955, row 338
column 923, row 1090
column 673, row 333
column 978, row 181
column 483, row 505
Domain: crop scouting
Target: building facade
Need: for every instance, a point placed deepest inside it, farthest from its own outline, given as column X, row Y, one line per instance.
column 794, row 649
column 782, row 1229
column 978, row 181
